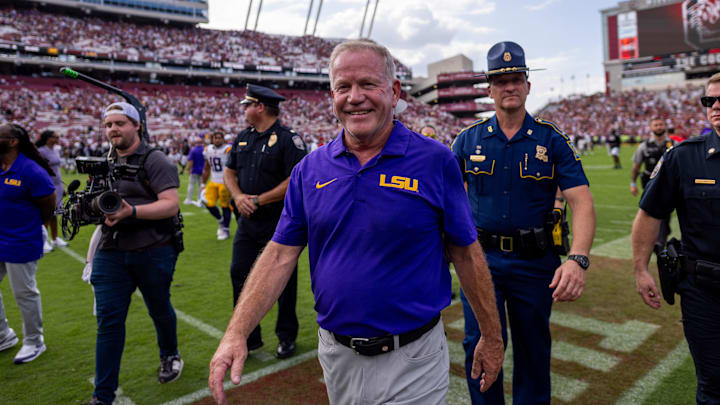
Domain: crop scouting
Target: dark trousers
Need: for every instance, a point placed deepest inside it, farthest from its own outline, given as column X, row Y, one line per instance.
column 701, row 323
column 529, row 301
column 115, row 276
column 250, row 238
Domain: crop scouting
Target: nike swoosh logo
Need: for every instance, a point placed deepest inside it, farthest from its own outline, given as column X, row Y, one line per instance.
column 319, row 186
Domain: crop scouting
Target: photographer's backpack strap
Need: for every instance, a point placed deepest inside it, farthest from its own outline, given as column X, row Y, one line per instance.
column 142, row 175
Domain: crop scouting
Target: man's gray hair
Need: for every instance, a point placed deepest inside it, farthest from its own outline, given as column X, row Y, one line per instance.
column 364, row 45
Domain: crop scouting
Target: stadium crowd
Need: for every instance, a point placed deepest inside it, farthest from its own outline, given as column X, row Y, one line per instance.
column 153, row 42
column 629, row 112
column 176, row 113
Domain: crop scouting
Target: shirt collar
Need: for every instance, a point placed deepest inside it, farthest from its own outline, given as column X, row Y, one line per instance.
column 493, row 128
column 270, row 130
column 712, row 143
column 17, row 164
column 396, row 144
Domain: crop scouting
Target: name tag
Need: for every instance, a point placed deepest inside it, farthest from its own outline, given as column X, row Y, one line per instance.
column 704, row 181
column 477, row 158
column 242, row 143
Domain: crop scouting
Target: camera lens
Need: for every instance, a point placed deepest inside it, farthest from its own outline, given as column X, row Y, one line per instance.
column 108, row 202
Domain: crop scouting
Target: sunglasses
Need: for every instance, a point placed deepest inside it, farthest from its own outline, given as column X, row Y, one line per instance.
column 708, row 101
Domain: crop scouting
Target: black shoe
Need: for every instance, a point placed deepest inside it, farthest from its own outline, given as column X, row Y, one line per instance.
column 170, row 368
column 95, row 401
column 285, row 350
column 255, row 346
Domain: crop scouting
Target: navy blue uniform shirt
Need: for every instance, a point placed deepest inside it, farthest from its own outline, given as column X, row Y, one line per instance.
column 687, row 179
column 512, row 183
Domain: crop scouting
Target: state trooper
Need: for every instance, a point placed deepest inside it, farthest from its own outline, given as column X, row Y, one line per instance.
column 513, row 166
column 257, row 174
column 687, row 179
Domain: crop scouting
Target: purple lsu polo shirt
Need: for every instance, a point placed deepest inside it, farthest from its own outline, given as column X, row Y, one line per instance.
column 375, row 233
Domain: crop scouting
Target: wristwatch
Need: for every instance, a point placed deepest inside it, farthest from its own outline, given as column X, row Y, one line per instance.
column 583, row 261
column 256, row 201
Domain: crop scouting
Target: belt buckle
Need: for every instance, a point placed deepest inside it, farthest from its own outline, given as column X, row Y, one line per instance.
column 506, row 241
column 355, row 340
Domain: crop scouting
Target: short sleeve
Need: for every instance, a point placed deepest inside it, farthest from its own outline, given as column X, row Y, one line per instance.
column 638, row 155
column 567, row 162
column 659, row 198
column 292, row 229
column 458, row 223
column 161, row 172
column 293, row 151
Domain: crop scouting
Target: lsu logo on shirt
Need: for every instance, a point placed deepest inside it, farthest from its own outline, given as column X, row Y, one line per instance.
column 404, row 183
column 13, row 182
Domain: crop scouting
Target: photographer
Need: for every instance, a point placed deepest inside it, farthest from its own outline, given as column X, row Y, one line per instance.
column 137, row 250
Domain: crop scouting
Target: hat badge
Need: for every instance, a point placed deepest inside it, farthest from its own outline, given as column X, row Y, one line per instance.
column 507, row 57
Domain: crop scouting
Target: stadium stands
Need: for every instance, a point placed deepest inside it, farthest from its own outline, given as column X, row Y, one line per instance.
column 629, row 112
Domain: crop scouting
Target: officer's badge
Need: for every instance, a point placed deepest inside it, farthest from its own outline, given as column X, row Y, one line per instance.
column 477, row 158
column 541, row 153
column 272, row 141
column 668, row 145
column 657, row 168
column 507, row 57
column 490, row 128
column 711, row 151
column 298, row 142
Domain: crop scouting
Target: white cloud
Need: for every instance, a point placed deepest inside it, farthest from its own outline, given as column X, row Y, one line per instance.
column 540, row 6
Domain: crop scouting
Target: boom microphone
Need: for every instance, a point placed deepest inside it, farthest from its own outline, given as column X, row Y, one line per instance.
column 73, row 186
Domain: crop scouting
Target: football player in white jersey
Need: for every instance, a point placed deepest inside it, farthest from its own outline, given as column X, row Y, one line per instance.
column 216, row 194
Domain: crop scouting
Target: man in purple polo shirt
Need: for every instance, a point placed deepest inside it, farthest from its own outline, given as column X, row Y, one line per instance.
column 27, row 199
column 375, row 206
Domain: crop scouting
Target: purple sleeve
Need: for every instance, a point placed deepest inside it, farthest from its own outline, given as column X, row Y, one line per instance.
column 292, row 228
column 458, row 223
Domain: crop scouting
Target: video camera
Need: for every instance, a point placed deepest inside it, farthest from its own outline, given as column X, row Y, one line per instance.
column 99, row 197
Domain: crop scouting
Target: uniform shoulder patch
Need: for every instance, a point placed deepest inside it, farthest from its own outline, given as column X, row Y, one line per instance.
column 298, row 142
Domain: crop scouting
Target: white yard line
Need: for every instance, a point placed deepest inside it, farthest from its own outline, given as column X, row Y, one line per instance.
column 638, row 393
column 248, row 378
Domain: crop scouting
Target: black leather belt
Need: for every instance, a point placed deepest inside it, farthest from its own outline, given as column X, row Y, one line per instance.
column 383, row 344
column 490, row 240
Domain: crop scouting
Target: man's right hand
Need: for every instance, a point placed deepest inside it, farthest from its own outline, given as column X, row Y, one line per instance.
column 230, row 355
column 488, row 361
column 245, row 204
column 634, row 190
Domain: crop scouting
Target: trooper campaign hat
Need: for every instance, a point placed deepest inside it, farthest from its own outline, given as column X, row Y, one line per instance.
column 264, row 95
column 506, row 57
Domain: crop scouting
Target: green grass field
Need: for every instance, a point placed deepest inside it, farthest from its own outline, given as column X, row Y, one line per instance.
column 648, row 372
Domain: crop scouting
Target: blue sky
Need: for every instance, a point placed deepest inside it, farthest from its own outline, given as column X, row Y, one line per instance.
column 562, row 36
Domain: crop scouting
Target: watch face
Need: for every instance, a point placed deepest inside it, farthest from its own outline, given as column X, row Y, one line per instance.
column 583, row 261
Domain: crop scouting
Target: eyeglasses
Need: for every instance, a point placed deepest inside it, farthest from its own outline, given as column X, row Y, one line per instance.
column 708, row 101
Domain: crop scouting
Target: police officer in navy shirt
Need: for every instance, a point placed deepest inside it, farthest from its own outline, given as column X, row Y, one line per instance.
column 376, row 207
column 513, row 165
column 257, row 175
column 687, row 179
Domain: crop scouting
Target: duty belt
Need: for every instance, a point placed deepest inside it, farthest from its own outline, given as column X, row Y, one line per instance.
column 490, row 240
column 384, row 344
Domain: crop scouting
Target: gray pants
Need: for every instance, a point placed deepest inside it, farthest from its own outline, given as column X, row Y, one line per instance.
column 417, row 373
column 193, row 184
column 27, row 296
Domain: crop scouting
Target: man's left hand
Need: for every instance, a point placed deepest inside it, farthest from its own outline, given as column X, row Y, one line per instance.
column 488, row 361
column 569, row 281
column 124, row 212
